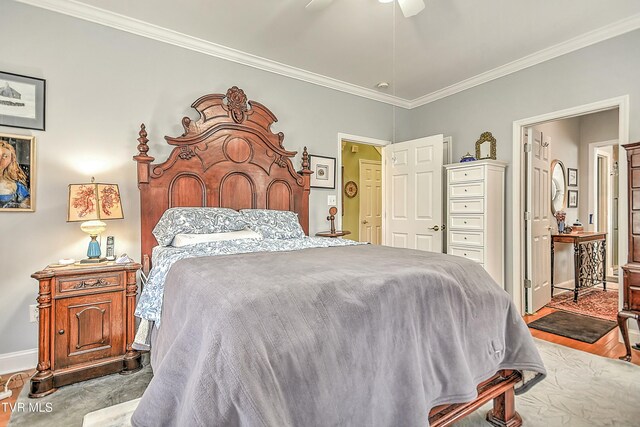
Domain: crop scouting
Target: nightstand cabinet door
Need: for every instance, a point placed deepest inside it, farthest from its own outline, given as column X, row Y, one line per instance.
column 88, row 328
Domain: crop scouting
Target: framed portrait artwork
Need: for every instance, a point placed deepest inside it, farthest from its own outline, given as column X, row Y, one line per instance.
column 572, row 199
column 22, row 101
column 17, row 173
column 324, row 171
column 572, row 177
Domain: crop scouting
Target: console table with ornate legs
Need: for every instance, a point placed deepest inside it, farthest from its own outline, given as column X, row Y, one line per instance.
column 589, row 259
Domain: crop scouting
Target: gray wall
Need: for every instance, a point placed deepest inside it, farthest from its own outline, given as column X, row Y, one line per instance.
column 602, row 71
column 101, row 84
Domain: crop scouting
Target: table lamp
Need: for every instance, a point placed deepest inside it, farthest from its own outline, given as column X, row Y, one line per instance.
column 92, row 204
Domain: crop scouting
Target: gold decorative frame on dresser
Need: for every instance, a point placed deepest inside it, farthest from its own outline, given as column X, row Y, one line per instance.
column 230, row 158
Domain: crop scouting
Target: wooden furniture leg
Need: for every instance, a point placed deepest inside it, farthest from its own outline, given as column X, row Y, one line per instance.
column 553, row 255
column 504, row 412
column 42, row 381
column 576, row 270
column 132, row 358
column 623, row 316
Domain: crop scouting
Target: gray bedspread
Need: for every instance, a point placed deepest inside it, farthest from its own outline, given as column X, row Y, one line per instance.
column 344, row 336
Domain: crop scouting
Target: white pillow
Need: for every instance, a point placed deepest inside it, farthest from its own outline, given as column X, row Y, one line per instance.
column 191, row 239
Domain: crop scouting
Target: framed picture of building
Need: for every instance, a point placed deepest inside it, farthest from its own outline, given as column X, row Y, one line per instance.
column 22, row 101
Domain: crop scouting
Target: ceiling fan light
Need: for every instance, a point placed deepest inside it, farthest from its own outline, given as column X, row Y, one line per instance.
column 385, row 1
column 411, row 7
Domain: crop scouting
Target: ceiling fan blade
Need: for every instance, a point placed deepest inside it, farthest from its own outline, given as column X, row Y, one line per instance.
column 318, row 4
column 410, row 7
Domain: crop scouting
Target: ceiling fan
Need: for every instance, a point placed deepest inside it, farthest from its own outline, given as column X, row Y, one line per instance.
column 408, row 7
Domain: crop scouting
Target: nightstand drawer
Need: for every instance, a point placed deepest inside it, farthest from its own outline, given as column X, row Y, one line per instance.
column 77, row 284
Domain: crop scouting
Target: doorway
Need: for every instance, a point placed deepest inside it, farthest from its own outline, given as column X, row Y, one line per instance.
column 361, row 172
column 568, row 188
column 519, row 193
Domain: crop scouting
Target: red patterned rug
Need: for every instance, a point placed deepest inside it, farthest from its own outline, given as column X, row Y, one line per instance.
column 591, row 302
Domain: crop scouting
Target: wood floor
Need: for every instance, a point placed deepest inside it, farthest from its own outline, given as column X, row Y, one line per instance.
column 607, row 346
column 16, row 386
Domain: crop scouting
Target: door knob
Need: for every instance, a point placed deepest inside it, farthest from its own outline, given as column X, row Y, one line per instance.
column 434, row 228
column 364, row 221
column 61, row 331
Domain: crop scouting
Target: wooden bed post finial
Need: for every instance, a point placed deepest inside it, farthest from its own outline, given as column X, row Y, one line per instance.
column 143, row 159
column 143, row 148
column 305, row 159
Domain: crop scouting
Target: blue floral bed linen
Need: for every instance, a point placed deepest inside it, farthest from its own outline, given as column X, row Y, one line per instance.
column 149, row 308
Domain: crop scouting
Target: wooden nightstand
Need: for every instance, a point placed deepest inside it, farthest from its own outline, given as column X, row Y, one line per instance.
column 86, row 325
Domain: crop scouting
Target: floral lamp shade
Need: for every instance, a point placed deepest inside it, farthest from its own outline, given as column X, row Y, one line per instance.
column 94, row 202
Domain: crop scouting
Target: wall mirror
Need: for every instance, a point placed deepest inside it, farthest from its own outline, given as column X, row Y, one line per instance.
column 558, row 187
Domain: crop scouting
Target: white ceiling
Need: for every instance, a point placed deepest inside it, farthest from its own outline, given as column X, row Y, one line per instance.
column 353, row 40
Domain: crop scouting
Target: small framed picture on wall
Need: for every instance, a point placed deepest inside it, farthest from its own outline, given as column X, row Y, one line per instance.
column 573, row 198
column 572, row 177
column 21, row 101
column 324, row 172
column 17, row 173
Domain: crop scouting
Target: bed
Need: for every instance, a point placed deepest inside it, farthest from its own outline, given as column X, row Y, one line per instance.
column 295, row 331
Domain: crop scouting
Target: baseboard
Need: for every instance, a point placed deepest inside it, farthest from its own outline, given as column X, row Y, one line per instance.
column 18, row 361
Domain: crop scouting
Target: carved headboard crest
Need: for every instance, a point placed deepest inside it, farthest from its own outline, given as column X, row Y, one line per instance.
column 227, row 157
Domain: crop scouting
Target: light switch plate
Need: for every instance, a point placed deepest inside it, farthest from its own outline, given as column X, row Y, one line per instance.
column 331, row 200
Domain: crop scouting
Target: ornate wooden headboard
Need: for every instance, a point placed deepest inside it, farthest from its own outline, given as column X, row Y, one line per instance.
column 229, row 158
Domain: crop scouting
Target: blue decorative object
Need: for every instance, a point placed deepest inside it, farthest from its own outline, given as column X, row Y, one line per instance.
column 467, row 158
column 94, row 248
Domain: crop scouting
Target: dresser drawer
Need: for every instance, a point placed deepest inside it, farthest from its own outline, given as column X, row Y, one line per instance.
column 81, row 283
column 466, row 238
column 466, row 174
column 472, row 189
column 464, row 206
column 466, row 222
column 632, row 290
column 474, row 254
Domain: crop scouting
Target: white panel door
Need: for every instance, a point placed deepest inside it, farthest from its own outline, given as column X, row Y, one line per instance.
column 370, row 201
column 413, row 194
column 538, row 224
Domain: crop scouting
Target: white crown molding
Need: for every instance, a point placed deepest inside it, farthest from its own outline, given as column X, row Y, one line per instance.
column 18, row 361
column 164, row 35
column 614, row 29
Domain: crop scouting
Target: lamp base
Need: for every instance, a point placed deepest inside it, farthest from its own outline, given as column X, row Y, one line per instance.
column 93, row 260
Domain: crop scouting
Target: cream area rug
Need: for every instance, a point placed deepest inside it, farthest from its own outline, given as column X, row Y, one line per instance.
column 580, row 390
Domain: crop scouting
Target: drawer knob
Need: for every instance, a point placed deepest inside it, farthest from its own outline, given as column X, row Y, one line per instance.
column 465, row 237
column 61, row 332
column 465, row 174
column 465, row 206
column 465, row 254
column 465, row 190
column 465, row 222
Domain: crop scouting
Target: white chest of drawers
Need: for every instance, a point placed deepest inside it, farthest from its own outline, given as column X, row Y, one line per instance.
column 475, row 213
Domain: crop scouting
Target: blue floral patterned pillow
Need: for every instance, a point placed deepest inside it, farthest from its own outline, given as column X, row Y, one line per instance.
column 196, row 221
column 273, row 224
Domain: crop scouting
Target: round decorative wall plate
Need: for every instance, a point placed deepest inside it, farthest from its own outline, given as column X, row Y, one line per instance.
column 351, row 189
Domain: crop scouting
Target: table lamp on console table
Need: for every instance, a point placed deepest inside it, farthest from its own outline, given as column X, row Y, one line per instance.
column 92, row 204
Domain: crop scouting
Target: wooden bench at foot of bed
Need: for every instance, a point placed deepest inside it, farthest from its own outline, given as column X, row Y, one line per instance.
column 500, row 388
